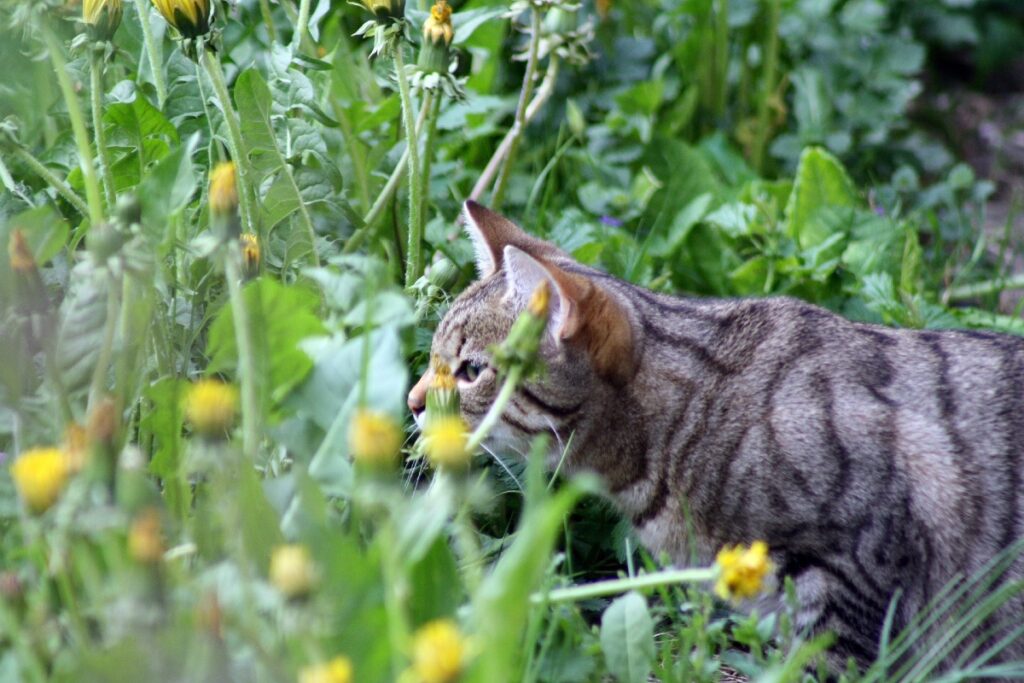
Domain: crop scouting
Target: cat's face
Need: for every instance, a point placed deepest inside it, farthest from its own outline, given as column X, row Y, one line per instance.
column 586, row 349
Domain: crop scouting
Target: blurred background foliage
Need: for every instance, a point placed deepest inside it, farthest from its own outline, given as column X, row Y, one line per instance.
column 860, row 154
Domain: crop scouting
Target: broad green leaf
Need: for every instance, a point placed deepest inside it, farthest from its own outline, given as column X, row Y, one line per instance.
column 627, row 638
column 83, row 315
column 281, row 317
column 167, row 188
column 821, row 183
column 434, row 581
column 161, row 420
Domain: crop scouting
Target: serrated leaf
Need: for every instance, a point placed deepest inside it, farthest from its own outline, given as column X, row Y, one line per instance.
column 821, row 183
column 627, row 638
column 83, row 315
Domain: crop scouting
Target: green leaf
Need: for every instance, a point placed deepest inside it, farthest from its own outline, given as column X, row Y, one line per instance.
column 167, row 188
column 627, row 638
column 821, row 183
column 282, row 316
column 83, row 315
column 434, row 580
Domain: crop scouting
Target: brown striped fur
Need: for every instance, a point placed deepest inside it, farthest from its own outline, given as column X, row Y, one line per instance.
column 872, row 460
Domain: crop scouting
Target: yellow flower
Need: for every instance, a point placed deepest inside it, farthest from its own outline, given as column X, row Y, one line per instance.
column 374, row 439
column 190, row 17
column 292, row 571
column 145, row 538
column 540, row 300
column 101, row 17
column 444, row 440
column 742, row 570
column 438, row 652
column 210, row 406
column 443, row 380
column 338, row 670
column 223, row 189
column 250, row 254
column 39, row 475
column 438, row 26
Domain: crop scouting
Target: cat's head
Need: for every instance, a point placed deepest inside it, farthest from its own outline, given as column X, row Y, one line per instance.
column 588, row 349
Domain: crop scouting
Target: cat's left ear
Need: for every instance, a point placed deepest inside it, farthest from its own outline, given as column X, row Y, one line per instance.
column 580, row 312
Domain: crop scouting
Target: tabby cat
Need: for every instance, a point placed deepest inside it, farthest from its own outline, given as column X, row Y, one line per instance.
column 874, row 461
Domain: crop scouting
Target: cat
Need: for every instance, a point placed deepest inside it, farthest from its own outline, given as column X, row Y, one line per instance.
column 874, row 461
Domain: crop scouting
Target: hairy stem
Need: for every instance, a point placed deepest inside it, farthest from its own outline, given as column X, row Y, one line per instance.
column 156, row 64
column 52, row 180
column 246, row 352
column 381, row 202
column 519, row 124
column 301, row 25
column 96, row 95
column 431, row 107
column 414, row 255
column 268, row 20
column 92, row 187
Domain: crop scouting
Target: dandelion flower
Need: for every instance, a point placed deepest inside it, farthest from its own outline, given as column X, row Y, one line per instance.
column 250, row 254
column 292, row 571
column 742, row 570
column 338, row 670
column 210, row 406
column 445, row 442
column 101, row 17
column 438, row 652
column 190, row 17
column 39, row 476
column 374, row 439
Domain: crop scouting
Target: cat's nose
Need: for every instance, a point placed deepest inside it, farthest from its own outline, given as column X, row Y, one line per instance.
column 417, row 400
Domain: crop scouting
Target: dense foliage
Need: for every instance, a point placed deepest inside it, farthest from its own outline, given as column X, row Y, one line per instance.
column 708, row 147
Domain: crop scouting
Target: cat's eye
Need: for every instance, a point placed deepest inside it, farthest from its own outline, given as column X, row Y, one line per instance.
column 468, row 372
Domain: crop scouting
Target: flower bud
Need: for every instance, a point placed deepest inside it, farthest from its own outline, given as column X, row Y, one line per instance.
column 438, row 652
column 101, row 17
column 292, row 571
column 223, row 189
column 145, row 538
column 338, row 670
column 386, row 10
column 374, row 439
column 442, row 394
column 39, row 476
column 437, row 37
column 445, row 440
column 250, row 255
column 210, row 406
column 191, row 17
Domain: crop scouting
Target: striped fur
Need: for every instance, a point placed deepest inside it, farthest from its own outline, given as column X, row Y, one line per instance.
column 872, row 460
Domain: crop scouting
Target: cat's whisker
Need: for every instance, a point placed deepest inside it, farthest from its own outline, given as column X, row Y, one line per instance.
column 503, row 466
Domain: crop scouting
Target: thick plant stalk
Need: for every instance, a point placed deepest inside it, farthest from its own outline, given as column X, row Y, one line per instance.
column 431, row 108
column 600, row 589
column 92, row 187
column 96, row 94
column 771, row 64
column 153, row 50
column 524, row 100
column 301, row 25
column 246, row 352
column 216, row 75
column 414, row 255
column 52, row 180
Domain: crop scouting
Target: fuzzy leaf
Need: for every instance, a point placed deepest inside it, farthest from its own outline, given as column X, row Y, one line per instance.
column 627, row 638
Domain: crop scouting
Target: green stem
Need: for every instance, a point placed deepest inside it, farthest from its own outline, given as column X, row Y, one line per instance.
column 301, row 25
column 96, row 94
column 982, row 288
column 524, row 100
column 379, row 204
column 398, row 626
column 60, row 67
column 246, row 353
column 431, row 105
column 771, row 63
column 216, row 75
column 414, row 255
column 600, row 589
column 156, row 64
column 515, row 375
column 268, row 20
column 52, row 180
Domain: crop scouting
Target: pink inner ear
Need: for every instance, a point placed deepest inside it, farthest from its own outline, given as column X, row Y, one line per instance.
column 524, row 274
column 491, row 232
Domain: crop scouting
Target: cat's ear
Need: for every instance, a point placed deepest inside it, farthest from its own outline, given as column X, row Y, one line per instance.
column 491, row 232
column 524, row 274
column 581, row 313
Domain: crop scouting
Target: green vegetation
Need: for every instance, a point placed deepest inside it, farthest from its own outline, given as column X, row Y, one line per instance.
column 710, row 147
